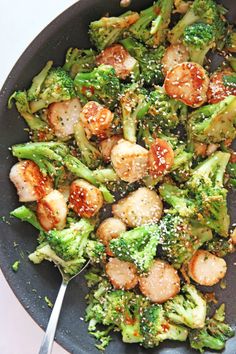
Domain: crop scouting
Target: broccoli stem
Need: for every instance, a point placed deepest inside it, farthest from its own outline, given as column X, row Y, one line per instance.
column 188, row 19
column 38, row 80
column 25, row 214
column 105, row 175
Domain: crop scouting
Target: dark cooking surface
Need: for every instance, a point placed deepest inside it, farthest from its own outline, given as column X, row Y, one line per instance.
column 32, row 283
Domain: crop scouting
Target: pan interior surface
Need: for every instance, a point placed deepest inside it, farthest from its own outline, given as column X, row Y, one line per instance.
column 32, row 283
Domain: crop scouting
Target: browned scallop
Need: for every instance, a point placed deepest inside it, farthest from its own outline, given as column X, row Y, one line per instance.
column 52, row 211
column 96, row 119
column 107, row 145
column 30, row 183
column 110, row 228
column 142, row 206
column 118, row 57
column 129, row 160
column 187, row 82
column 206, row 269
column 161, row 283
column 122, row 275
column 174, row 54
column 160, row 158
column 217, row 91
column 85, row 199
column 62, row 117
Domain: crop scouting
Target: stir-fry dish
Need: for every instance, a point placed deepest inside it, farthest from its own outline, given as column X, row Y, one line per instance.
column 129, row 164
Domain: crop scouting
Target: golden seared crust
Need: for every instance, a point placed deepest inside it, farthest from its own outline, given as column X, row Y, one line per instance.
column 187, row 82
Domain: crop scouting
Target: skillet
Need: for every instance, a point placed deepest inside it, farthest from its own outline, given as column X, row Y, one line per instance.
column 32, row 283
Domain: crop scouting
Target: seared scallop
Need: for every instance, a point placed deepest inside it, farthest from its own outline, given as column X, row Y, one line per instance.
column 161, row 283
column 160, row 158
column 30, row 183
column 85, row 199
column 110, row 228
column 174, row 54
column 118, row 57
column 142, row 206
column 217, row 91
column 206, row 269
column 62, row 116
column 129, row 160
column 122, row 275
column 187, row 82
column 96, row 119
column 52, row 211
column 107, row 145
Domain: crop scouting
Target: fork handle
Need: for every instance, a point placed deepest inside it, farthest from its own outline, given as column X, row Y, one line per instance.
column 46, row 346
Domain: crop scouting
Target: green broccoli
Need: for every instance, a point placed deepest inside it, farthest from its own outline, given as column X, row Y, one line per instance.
column 45, row 252
column 199, row 39
column 213, row 123
column 188, row 308
column 134, row 106
column 25, row 214
column 206, row 185
column 109, row 30
column 100, row 85
column 230, row 44
column 122, row 309
column 205, row 11
column 79, row 61
column 151, row 27
column 180, row 238
column 95, row 251
column 49, row 156
column 214, row 334
column 138, row 246
column 57, row 86
column 232, row 62
column 220, row 246
column 34, row 91
column 89, row 154
column 166, row 111
column 37, row 125
column 70, row 243
column 149, row 60
column 156, row 328
column 75, row 166
column 15, row 266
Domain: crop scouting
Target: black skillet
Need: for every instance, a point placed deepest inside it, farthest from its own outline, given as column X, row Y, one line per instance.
column 32, row 283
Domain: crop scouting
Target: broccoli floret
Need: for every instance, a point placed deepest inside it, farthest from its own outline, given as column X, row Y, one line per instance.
column 15, row 266
column 232, row 62
column 122, row 309
column 100, row 85
column 95, row 251
column 188, row 308
column 214, row 334
column 70, row 243
column 25, row 214
column 206, row 185
column 205, row 11
column 156, row 328
column 213, row 123
column 134, row 106
column 108, row 30
column 37, row 82
column 138, row 246
column 45, row 252
column 75, row 166
column 49, row 156
column 79, row 61
column 230, row 44
column 89, row 154
column 35, row 123
column 166, row 111
column 149, row 61
column 151, row 27
column 219, row 246
column 199, row 39
column 230, row 80
column 57, row 86
column 180, row 238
